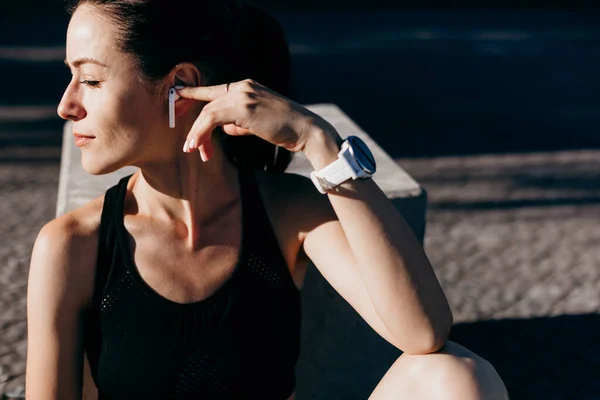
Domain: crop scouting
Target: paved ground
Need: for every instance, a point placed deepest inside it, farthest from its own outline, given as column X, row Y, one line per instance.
column 28, row 188
column 513, row 238
column 516, row 244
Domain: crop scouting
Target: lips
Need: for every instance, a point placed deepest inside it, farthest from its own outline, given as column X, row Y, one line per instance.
column 82, row 136
column 81, row 139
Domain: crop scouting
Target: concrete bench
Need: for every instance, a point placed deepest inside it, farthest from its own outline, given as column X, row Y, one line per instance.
column 341, row 356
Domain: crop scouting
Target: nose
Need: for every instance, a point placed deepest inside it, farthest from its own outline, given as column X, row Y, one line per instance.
column 70, row 108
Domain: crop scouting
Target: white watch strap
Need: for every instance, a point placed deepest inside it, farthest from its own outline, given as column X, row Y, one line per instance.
column 332, row 175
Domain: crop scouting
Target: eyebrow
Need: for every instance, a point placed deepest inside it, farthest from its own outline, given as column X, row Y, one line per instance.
column 77, row 63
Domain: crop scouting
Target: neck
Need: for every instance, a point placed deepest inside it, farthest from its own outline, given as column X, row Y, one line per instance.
column 186, row 190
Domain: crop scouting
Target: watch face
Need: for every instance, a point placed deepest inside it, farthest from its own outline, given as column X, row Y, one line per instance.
column 362, row 154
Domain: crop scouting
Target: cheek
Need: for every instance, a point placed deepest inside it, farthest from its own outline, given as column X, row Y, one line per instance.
column 126, row 118
column 128, row 114
column 139, row 112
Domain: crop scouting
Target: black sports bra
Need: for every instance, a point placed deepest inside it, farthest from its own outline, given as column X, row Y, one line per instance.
column 241, row 342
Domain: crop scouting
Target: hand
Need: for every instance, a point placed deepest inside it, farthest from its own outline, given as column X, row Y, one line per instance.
column 249, row 108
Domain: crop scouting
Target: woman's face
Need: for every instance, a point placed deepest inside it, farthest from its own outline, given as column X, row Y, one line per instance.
column 107, row 101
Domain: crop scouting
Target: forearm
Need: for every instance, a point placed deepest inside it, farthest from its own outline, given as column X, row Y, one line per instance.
column 396, row 272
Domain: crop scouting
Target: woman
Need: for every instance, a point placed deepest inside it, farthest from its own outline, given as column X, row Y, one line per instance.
column 183, row 280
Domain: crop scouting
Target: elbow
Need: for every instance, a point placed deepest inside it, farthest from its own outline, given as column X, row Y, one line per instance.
column 432, row 338
column 426, row 345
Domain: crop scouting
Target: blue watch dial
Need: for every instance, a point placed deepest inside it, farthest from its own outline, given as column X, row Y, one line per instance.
column 362, row 154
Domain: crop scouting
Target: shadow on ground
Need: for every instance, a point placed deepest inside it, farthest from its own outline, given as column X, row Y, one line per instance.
column 513, row 204
column 559, row 354
column 421, row 83
column 546, row 358
column 435, row 83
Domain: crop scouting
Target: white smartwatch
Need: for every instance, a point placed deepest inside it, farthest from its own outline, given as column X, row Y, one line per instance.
column 355, row 161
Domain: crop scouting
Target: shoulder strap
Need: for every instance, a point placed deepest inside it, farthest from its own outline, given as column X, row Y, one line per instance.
column 259, row 235
column 107, row 235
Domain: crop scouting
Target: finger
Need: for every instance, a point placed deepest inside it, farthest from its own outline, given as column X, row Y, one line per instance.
column 203, row 93
column 206, row 151
column 212, row 115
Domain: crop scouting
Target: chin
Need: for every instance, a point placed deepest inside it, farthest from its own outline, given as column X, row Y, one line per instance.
column 95, row 165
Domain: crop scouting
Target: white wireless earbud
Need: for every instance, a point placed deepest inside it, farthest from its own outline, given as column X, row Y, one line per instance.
column 173, row 97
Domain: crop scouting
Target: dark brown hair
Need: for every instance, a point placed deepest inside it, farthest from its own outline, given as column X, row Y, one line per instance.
column 227, row 41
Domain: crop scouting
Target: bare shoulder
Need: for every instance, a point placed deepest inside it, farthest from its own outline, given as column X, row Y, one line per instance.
column 79, row 226
column 65, row 250
column 59, row 291
column 294, row 200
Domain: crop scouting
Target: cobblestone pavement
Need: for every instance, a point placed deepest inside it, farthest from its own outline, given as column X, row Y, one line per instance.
column 514, row 240
column 514, row 236
column 28, row 188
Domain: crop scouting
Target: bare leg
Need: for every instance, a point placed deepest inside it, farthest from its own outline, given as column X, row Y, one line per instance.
column 452, row 373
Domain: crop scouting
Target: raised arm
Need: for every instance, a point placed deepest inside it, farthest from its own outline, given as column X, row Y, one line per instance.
column 59, row 289
column 369, row 252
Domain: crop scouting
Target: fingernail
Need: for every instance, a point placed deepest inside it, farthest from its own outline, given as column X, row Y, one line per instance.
column 179, row 87
column 192, row 144
column 185, row 147
column 202, row 157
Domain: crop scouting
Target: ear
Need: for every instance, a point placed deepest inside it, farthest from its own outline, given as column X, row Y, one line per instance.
column 185, row 74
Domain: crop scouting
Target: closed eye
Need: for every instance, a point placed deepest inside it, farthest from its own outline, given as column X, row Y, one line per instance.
column 93, row 84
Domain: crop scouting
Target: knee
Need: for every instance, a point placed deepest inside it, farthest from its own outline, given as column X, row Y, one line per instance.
column 455, row 372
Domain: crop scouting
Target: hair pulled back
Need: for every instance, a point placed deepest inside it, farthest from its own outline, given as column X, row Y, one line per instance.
column 225, row 40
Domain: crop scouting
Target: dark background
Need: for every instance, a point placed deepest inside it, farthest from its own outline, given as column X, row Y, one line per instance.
column 54, row 6
column 428, row 81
